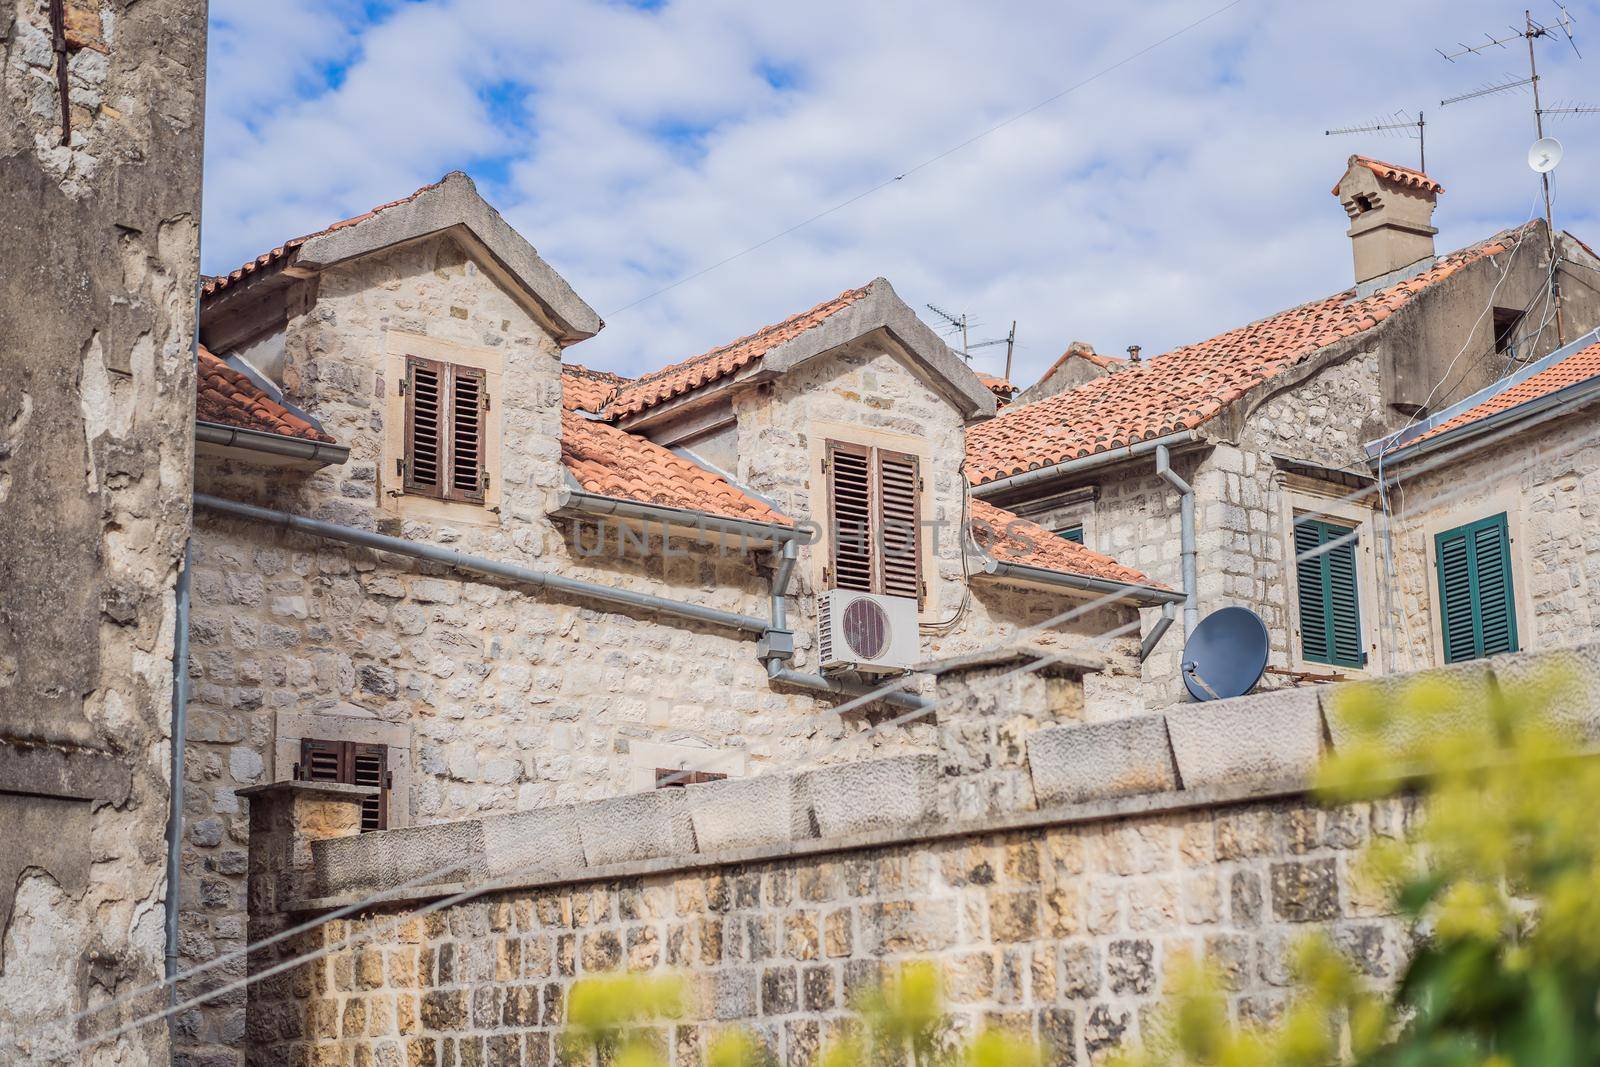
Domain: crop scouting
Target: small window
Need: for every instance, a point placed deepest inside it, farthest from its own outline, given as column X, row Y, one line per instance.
column 667, row 778
column 1506, row 321
column 350, row 763
column 1477, row 604
column 1073, row 533
column 1330, row 603
column 446, row 409
column 874, row 496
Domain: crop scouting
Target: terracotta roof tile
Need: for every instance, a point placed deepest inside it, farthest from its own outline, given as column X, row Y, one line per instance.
column 583, row 389
column 614, row 463
column 680, row 378
column 1395, row 173
column 276, row 256
column 997, row 385
column 229, row 398
column 1188, row 386
column 1012, row 539
column 1581, row 366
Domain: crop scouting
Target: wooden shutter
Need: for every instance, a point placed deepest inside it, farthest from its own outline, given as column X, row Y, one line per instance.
column 445, row 430
column 875, row 500
column 1071, row 533
column 1329, row 601
column 1476, row 599
column 351, row 763
column 667, row 778
column 850, row 496
column 899, row 492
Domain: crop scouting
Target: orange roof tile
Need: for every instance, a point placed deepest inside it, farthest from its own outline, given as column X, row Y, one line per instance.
column 650, row 390
column 1395, row 173
column 1012, row 539
column 997, row 385
column 583, row 389
column 1581, row 366
column 1188, row 386
column 614, row 463
column 274, row 257
column 229, row 398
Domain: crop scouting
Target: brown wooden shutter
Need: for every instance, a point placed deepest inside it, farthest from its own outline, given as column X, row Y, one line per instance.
column 899, row 512
column 350, row 763
column 850, row 496
column 667, row 778
column 446, row 439
column 427, row 399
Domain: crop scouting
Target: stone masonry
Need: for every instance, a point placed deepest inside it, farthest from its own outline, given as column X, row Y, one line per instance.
column 99, row 261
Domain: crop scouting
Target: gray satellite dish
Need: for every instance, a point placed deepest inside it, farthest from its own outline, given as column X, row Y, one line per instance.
column 1545, row 154
column 1226, row 654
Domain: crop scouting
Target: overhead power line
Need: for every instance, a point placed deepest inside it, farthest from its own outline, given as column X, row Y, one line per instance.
column 931, row 160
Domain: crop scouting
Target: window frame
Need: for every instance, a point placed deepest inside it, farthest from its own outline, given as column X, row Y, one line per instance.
column 346, row 755
column 1301, row 496
column 1067, row 531
column 1327, row 533
column 878, row 458
column 393, row 499
column 1467, row 531
column 450, row 429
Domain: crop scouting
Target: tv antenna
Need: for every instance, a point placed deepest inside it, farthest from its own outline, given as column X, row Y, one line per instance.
column 1009, row 340
column 1400, row 120
column 1531, row 31
column 956, row 322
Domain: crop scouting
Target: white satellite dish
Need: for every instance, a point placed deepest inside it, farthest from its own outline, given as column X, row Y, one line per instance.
column 1545, row 154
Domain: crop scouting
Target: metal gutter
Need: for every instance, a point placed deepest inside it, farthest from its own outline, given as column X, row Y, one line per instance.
column 1140, row 594
column 569, row 499
column 481, row 565
column 1186, row 542
column 319, row 452
column 1084, row 463
column 779, row 673
column 1534, row 412
column 180, row 736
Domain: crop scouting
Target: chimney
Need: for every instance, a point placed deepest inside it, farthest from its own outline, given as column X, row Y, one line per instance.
column 1133, row 353
column 1391, row 221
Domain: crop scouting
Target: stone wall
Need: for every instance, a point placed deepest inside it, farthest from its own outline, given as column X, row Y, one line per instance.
column 98, row 267
column 494, row 698
column 1547, row 481
column 1135, row 842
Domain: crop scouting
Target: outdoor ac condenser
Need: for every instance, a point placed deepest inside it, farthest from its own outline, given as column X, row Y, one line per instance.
column 867, row 632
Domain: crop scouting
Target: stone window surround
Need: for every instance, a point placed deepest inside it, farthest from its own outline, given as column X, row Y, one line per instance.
column 1306, row 496
column 392, row 499
column 1507, row 499
column 292, row 727
column 645, row 757
column 818, row 433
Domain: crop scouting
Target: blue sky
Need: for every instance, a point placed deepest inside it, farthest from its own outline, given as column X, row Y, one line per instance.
column 1184, row 193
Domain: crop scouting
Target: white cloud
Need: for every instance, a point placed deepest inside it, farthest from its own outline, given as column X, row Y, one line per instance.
column 1183, row 194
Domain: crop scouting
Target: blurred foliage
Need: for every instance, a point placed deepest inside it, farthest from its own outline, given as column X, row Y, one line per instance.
column 618, row 1020
column 1499, row 878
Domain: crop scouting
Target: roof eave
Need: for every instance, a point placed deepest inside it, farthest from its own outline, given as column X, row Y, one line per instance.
column 700, row 525
column 1489, row 429
column 254, row 444
column 1068, row 467
column 1143, row 595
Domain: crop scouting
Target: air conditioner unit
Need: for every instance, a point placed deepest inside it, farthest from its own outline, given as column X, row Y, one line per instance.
column 867, row 632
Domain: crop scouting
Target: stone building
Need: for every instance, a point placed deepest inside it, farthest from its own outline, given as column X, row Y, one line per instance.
column 100, row 148
column 431, row 556
column 1514, row 564
column 1262, row 431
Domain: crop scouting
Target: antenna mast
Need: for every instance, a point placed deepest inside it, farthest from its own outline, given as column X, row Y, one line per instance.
column 957, row 322
column 1402, row 121
column 1530, row 31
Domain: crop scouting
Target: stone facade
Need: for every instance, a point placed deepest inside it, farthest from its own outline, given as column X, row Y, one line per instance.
column 492, row 698
column 98, row 266
column 1186, row 834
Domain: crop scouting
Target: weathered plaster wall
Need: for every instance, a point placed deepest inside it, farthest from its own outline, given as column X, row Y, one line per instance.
column 98, row 266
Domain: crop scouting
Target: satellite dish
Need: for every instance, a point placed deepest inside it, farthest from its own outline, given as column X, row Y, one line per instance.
column 1226, row 654
column 1545, row 154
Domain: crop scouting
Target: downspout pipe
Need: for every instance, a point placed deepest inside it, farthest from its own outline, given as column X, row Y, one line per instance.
column 1191, row 600
column 450, row 557
column 1148, row 644
column 822, row 683
column 180, row 735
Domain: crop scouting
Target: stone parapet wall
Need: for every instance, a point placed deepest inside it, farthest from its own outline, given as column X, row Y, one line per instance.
column 1183, row 833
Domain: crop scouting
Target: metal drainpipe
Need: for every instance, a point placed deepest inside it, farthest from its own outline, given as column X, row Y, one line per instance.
column 1153, row 638
column 180, row 733
column 1191, row 600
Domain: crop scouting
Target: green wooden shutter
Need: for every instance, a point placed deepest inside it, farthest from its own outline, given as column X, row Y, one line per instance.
column 1476, row 599
column 1330, row 604
column 1071, row 533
